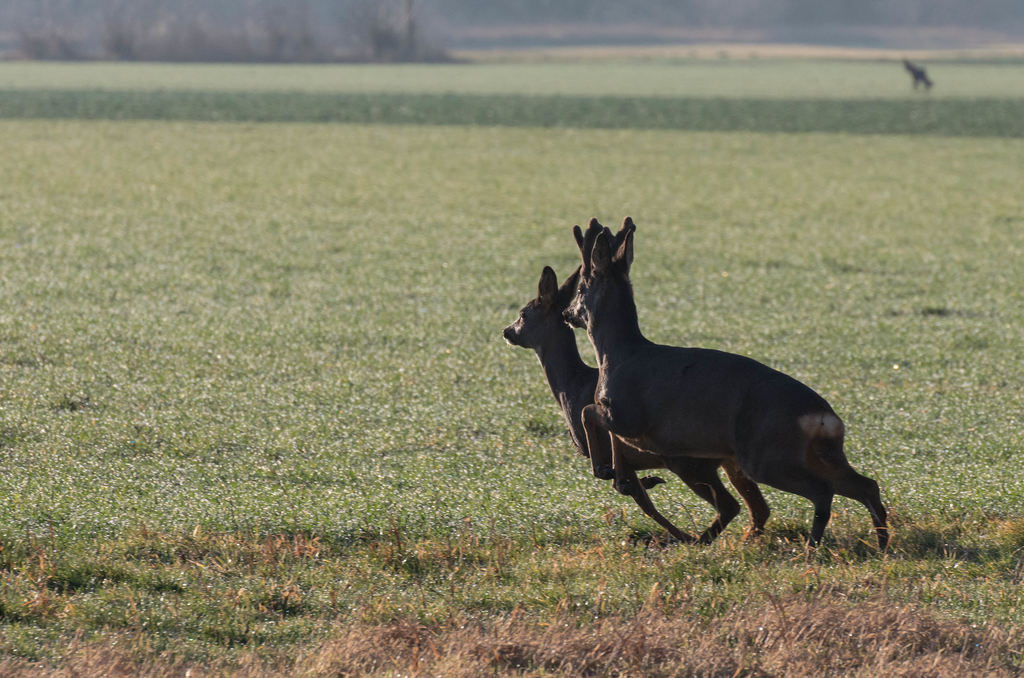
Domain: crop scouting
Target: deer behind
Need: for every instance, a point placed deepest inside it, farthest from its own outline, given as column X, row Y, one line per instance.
column 541, row 327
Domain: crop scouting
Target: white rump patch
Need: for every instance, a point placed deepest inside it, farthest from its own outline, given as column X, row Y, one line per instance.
column 822, row 425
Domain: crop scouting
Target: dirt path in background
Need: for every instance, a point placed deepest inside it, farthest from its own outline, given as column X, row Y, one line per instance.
column 741, row 51
column 642, row 41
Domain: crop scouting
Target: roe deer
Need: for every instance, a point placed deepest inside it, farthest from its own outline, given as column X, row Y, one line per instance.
column 919, row 75
column 697, row 402
column 541, row 327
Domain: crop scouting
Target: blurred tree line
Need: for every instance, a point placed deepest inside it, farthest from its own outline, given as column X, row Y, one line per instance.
column 399, row 30
column 218, row 30
column 743, row 13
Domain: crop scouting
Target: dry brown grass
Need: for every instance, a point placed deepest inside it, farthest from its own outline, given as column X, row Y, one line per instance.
column 775, row 637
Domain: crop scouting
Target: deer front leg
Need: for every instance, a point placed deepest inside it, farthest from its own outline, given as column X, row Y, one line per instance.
column 626, row 481
column 647, row 506
column 599, row 444
column 608, row 456
column 599, row 449
column 602, row 447
column 701, row 476
column 752, row 497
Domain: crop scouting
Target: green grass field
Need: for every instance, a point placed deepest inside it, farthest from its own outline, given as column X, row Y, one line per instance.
column 253, row 391
column 757, row 96
column 731, row 79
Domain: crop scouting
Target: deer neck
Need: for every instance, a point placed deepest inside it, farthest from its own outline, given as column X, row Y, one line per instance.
column 616, row 334
column 571, row 380
column 564, row 368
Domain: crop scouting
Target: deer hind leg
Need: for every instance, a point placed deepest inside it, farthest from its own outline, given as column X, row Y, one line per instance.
column 865, row 490
column 701, row 476
column 826, row 459
column 752, row 497
column 798, row 479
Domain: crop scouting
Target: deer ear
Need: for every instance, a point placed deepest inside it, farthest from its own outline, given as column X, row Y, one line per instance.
column 568, row 289
column 601, row 255
column 547, row 288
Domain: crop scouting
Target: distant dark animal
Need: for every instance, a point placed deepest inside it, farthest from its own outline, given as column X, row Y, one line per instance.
column 540, row 326
column 919, row 74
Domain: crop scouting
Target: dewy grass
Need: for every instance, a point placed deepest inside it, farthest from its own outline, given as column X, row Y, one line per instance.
column 253, row 388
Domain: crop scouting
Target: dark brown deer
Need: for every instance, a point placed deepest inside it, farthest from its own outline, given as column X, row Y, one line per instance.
column 696, row 402
column 541, row 327
column 919, row 75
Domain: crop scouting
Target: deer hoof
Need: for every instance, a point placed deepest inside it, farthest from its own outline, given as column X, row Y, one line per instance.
column 604, row 473
column 752, row 533
column 650, row 481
